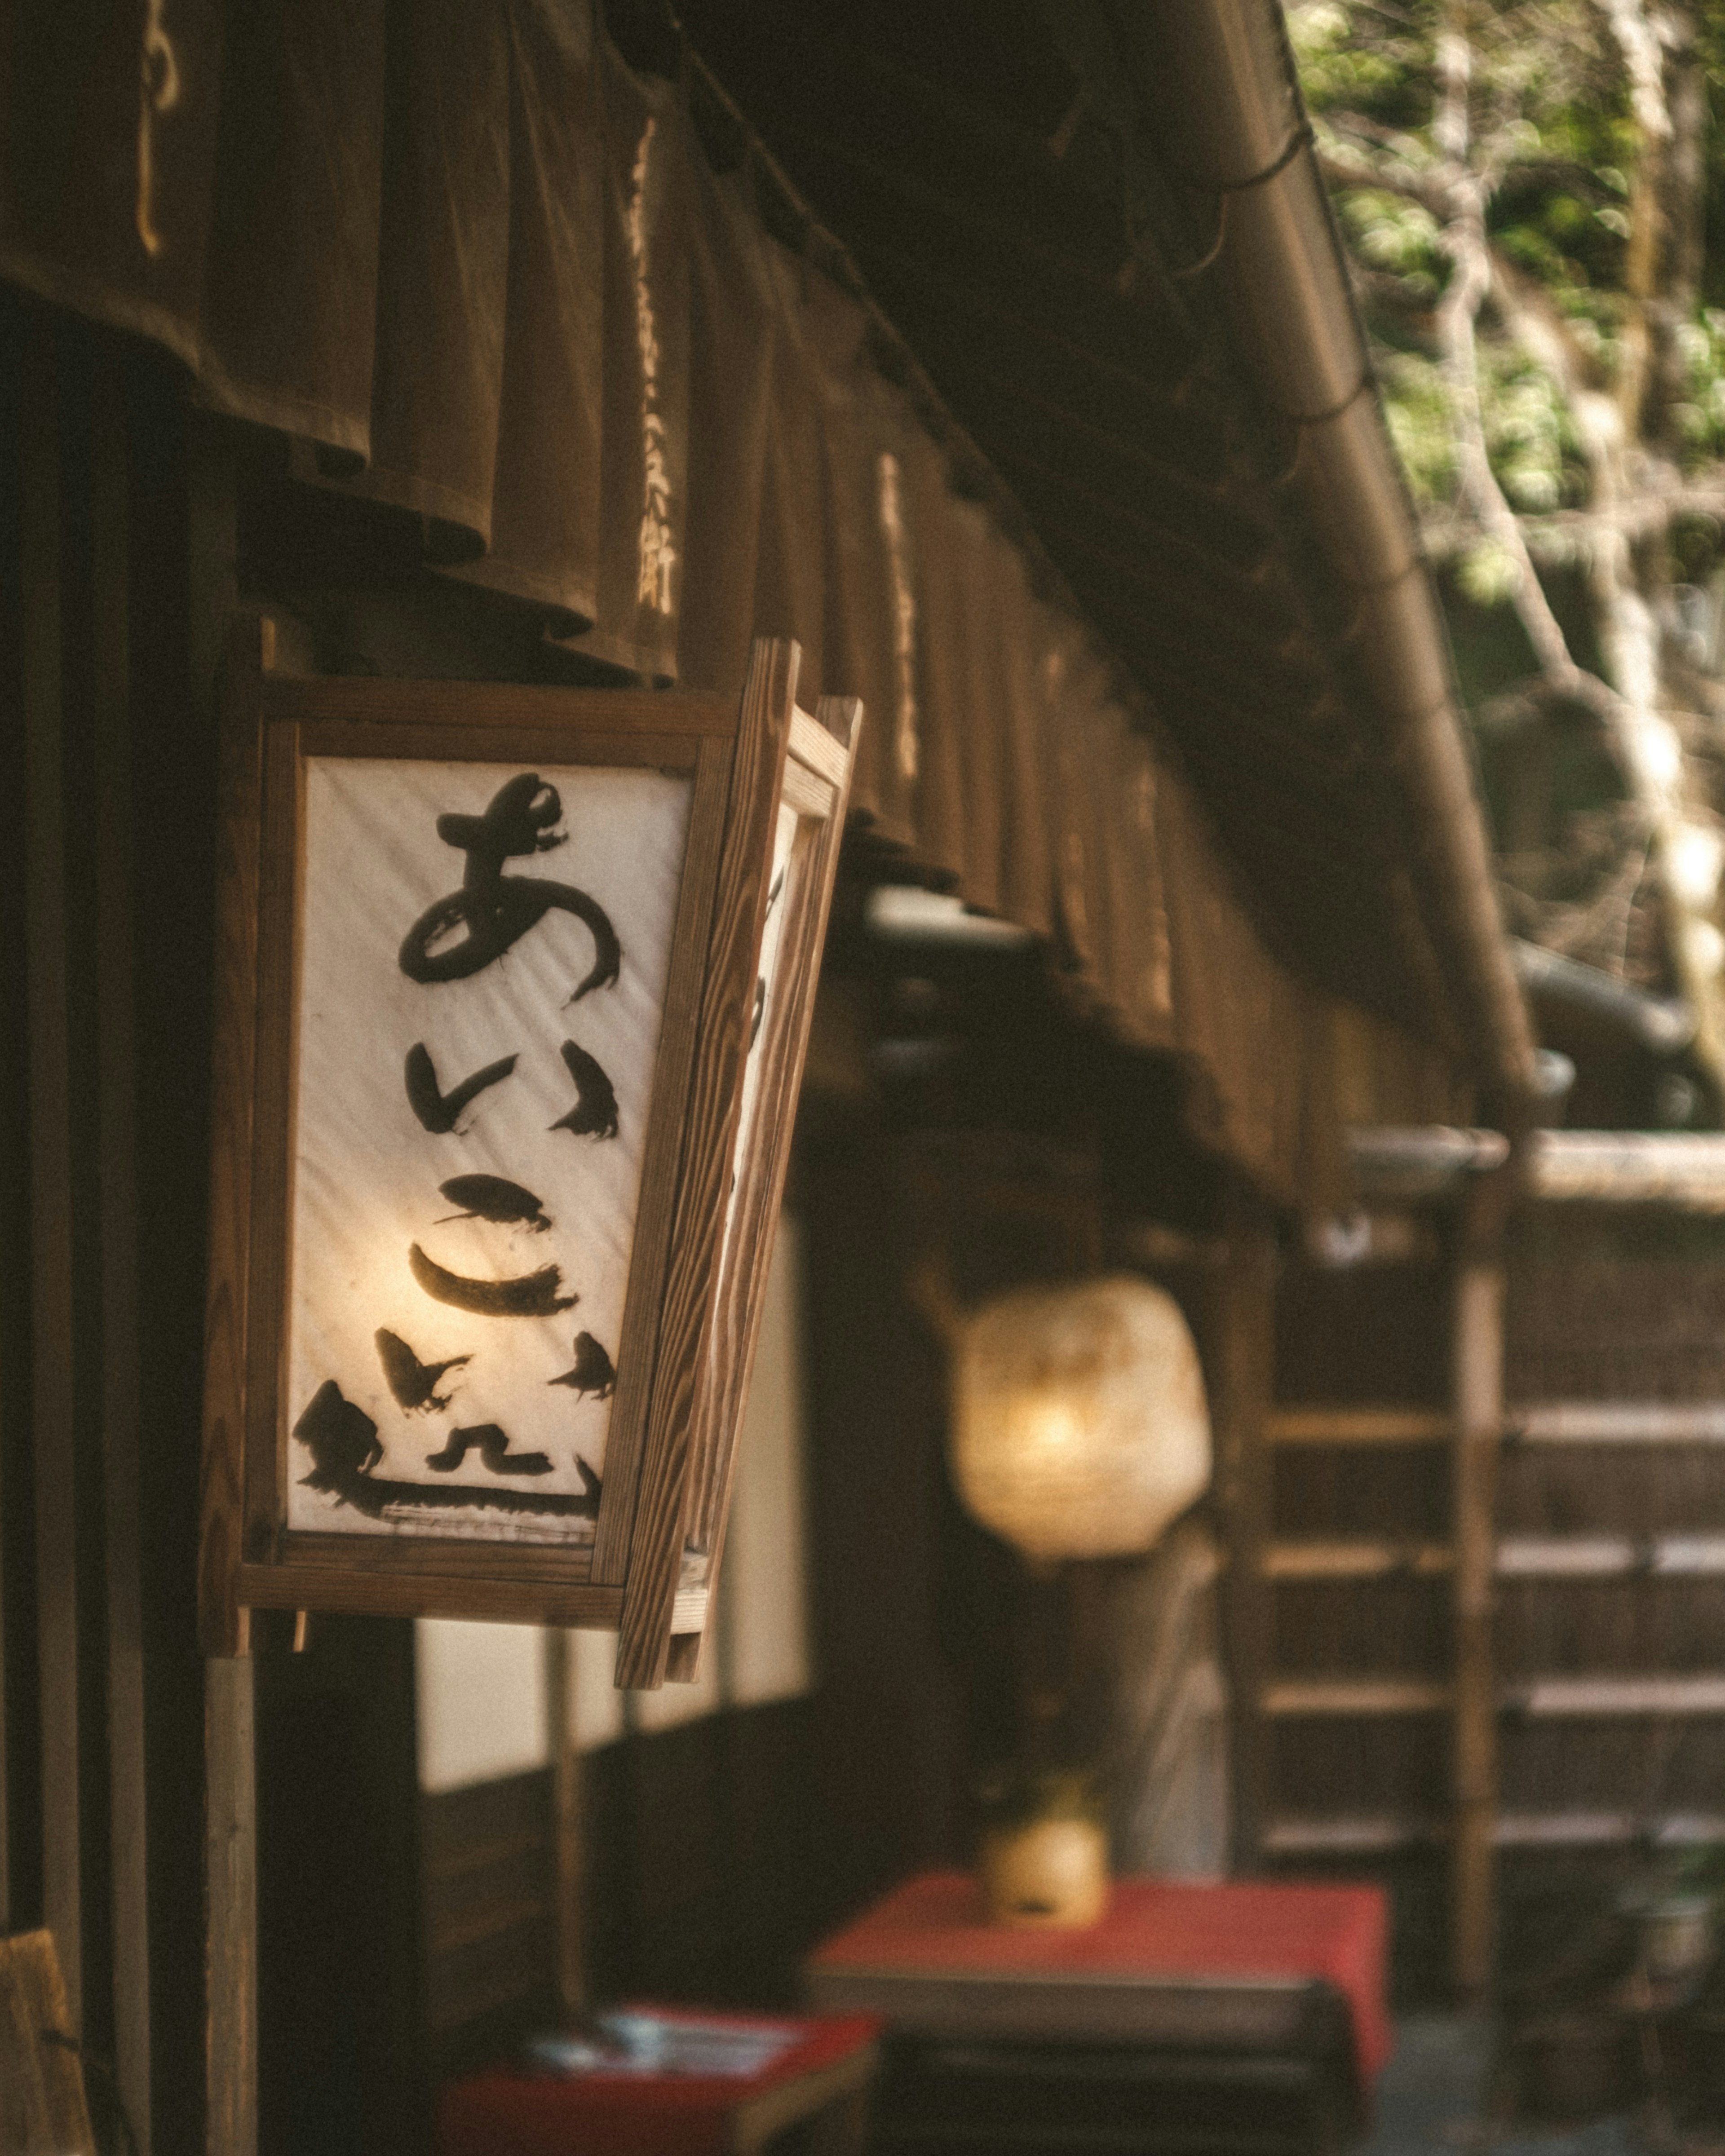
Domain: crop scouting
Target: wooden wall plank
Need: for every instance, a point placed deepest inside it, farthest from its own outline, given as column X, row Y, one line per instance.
column 239, row 810
column 117, row 1145
column 41, row 2105
column 51, row 1208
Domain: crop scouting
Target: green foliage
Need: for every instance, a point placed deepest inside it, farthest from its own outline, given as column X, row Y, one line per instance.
column 1417, row 406
column 1529, row 432
column 1699, row 416
column 1553, row 132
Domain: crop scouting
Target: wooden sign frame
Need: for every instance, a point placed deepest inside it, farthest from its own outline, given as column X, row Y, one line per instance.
column 768, row 787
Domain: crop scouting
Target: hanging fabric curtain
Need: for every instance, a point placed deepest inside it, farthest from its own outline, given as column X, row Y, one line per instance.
column 485, row 276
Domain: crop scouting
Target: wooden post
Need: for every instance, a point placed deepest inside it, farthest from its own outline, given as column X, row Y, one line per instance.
column 111, row 697
column 231, row 1907
column 1477, row 1381
column 52, row 1209
column 566, row 1821
column 1242, row 1374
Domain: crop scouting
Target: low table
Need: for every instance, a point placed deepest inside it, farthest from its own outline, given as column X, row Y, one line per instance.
column 822, row 2078
column 1241, row 2017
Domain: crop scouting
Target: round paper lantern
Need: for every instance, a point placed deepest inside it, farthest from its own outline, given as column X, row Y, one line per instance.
column 1079, row 1427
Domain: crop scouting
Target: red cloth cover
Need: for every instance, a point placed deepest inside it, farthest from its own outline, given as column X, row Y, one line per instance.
column 1154, row 1927
column 509, row 2112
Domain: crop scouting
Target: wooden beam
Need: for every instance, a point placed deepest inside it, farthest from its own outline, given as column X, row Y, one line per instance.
column 1378, row 1834
column 1696, row 1692
column 1609, row 1557
column 1597, row 1829
column 1356, row 1560
column 1381, row 1834
column 1420, row 1160
column 1352, row 1425
column 1354, row 1696
column 1617, row 1422
column 1681, row 1169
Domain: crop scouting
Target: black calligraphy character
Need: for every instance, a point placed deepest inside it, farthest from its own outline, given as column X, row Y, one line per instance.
column 436, row 1110
column 496, row 909
column 414, row 1384
column 528, row 1295
column 592, row 1372
column 594, row 1114
column 494, row 1198
column 493, row 1448
column 341, row 1439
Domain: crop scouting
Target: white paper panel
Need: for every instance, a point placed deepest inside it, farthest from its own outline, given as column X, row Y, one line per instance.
column 367, row 1172
column 763, row 1590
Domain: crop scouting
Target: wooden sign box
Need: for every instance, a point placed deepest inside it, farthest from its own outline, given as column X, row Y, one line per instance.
column 513, row 987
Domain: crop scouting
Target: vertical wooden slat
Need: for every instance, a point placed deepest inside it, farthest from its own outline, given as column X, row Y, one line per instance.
column 1244, row 1372
column 14, row 1222
column 733, row 958
column 230, row 1813
column 1478, row 1400
column 110, row 578
column 231, row 1879
column 50, row 1166
column 566, row 1821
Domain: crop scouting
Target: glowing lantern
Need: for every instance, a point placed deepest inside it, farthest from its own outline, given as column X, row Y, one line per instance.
column 1079, row 1427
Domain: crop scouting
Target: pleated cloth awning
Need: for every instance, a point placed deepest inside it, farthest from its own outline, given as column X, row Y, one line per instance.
column 478, row 269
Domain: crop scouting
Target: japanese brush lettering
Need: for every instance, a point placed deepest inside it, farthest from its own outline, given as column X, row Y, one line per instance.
column 436, row 1110
column 594, row 1114
column 593, row 1374
column 494, row 1198
column 492, row 1445
column 342, row 1440
column 527, row 1295
column 495, row 911
column 412, row 1382
column 341, row 1437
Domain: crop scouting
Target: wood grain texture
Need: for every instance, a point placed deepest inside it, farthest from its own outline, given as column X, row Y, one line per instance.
column 569, row 1851
column 1617, row 1422
column 493, row 704
column 476, row 744
column 263, row 841
column 735, row 1326
column 1244, row 1359
column 710, row 1130
column 51, row 1306
column 110, row 698
column 1339, row 1426
column 826, row 744
column 43, row 2111
column 239, row 810
column 429, row 1556
column 1477, row 1400
column 655, row 1208
column 500, row 1594
column 280, row 868
column 231, row 1907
